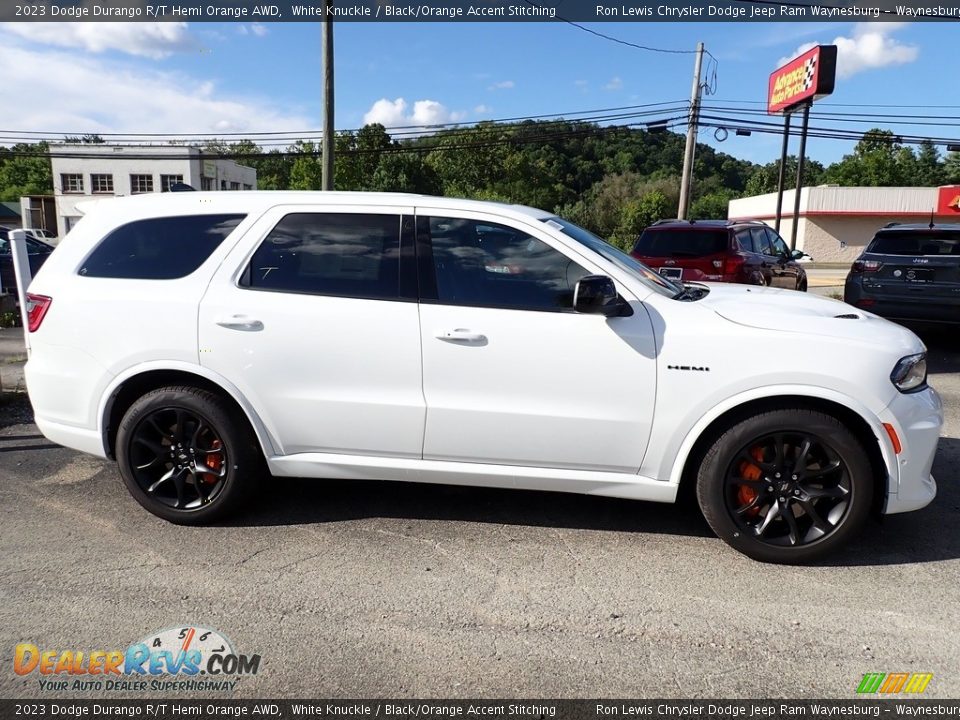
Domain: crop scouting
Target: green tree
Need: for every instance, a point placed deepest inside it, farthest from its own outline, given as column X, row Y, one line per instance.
column 930, row 170
column 25, row 170
column 306, row 172
column 403, row 172
column 635, row 216
column 763, row 179
column 878, row 160
column 712, row 206
column 951, row 168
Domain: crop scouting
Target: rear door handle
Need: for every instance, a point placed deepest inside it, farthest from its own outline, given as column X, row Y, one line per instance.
column 461, row 335
column 240, row 322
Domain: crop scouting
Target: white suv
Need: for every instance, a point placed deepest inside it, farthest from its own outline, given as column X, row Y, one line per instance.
column 203, row 339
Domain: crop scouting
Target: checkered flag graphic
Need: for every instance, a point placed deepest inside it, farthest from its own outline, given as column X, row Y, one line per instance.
column 810, row 67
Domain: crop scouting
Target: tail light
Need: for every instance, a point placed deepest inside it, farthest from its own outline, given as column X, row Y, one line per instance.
column 732, row 264
column 866, row 266
column 37, row 306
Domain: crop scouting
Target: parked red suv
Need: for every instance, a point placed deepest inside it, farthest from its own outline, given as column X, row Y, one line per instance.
column 745, row 251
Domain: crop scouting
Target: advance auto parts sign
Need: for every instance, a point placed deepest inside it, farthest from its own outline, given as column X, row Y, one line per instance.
column 805, row 78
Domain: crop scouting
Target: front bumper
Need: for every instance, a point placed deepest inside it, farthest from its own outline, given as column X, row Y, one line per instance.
column 917, row 418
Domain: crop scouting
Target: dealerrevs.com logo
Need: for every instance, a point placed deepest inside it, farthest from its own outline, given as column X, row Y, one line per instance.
column 186, row 658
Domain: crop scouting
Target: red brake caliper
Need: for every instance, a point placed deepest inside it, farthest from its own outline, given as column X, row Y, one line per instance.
column 749, row 471
column 214, row 461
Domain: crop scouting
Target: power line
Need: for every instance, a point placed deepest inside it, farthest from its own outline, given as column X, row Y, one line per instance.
column 414, row 130
column 394, row 149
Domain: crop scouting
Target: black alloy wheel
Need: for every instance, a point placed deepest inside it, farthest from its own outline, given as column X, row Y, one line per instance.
column 788, row 489
column 786, row 486
column 186, row 455
column 178, row 458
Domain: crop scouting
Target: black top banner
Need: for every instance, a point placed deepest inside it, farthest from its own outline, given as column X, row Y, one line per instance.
column 478, row 11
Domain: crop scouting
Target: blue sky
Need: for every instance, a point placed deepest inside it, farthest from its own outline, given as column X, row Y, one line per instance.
column 218, row 78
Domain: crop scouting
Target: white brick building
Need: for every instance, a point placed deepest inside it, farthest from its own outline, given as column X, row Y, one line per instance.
column 82, row 172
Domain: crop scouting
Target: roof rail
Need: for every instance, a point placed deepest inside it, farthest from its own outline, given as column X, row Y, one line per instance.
column 664, row 221
column 892, row 224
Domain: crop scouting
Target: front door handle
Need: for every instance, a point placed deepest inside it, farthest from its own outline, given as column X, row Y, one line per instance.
column 240, row 322
column 461, row 335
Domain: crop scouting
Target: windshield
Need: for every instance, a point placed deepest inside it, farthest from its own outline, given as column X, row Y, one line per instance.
column 623, row 261
column 681, row 242
column 922, row 242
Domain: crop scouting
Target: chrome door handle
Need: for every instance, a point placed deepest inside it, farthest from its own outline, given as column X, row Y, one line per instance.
column 460, row 335
column 240, row 322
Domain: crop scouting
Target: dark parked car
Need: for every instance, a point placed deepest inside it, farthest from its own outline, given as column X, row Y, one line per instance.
column 909, row 273
column 746, row 252
column 37, row 252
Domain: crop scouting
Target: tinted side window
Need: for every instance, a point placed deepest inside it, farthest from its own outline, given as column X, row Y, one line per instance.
column 159, row 248
column 761, row 241
column 343, row 254
column 779, row 246
column 486, row 264
column 746, row 241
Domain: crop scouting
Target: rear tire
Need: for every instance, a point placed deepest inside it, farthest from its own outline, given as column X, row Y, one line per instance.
column 786, row 486
column 186, row 456
column 802, row 285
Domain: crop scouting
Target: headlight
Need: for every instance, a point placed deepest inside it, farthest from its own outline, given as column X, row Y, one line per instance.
column 910, row 372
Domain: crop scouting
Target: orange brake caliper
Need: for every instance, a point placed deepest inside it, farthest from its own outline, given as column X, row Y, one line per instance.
column 214, row 461
column 749, row 471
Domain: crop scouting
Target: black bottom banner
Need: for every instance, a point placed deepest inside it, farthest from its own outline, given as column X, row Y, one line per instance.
column 402, row 709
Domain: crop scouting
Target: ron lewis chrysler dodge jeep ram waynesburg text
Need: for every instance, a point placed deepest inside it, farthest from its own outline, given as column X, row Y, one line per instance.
column 201, row 339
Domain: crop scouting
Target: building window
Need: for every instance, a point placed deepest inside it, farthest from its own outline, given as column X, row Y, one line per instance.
column 101, row 183
column 206, row 183
column 234, row 186
column 247, row 187
column 71, row 182
column 141, row 183
column 168, row 181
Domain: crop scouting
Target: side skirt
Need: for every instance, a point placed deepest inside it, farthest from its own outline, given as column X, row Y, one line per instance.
column 585, row 482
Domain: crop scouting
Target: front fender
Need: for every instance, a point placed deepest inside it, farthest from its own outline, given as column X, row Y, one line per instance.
column 675, row 456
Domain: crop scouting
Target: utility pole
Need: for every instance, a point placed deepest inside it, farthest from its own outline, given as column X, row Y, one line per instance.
column 327, row 141
column 687, row 177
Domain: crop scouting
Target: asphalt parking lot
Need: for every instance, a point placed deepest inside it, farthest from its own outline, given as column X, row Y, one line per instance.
column 393, row 590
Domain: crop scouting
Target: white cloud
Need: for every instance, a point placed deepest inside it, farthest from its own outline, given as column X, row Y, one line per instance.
column 259, row 29
column 615, row 84
column 867, row 48
column 397, row 113
column 502, row 85
column 146, row 39
column 89, row 94
column 482, row 110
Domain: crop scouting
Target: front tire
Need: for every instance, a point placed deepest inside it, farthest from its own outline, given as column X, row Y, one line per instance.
column 786, row 486
column 185, row 456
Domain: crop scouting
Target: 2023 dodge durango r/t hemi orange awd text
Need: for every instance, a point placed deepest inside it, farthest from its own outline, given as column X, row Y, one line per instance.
column 201, row 339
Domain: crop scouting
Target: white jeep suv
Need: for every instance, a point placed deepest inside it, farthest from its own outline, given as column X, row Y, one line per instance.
column 204, row 339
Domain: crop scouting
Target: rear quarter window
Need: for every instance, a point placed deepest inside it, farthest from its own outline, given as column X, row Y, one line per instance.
column 163, row 248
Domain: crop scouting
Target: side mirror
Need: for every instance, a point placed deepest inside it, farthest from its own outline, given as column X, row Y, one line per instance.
column 597, row 295
column 797, row 254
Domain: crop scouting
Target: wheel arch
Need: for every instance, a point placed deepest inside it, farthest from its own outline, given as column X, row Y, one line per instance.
column 127, row 387
column 871, row 435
